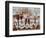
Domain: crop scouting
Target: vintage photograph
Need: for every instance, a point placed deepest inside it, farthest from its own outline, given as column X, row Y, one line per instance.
column 26, row 18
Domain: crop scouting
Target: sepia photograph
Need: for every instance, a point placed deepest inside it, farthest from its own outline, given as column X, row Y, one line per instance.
column 26, row 18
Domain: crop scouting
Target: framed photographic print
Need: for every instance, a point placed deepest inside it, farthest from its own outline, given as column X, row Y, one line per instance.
column 24, row 18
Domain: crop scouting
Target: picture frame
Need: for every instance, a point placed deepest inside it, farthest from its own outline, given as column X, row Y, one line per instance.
column 11, row 8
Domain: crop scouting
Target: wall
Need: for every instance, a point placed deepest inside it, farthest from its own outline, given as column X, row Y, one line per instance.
column 2, row 19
